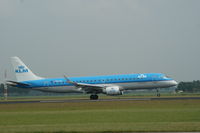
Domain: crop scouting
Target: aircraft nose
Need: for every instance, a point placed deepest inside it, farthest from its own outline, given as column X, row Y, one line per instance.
column 174, row 83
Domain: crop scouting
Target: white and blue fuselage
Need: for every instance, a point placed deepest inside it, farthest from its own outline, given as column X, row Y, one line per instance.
column 125, row 82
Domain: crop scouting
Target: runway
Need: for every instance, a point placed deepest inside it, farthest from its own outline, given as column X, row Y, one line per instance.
column 87, row 100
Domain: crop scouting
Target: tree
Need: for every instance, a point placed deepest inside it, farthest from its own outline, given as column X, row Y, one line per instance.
column 193, row 86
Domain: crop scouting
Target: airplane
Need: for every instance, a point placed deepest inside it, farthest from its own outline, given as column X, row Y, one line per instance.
column 110, row 85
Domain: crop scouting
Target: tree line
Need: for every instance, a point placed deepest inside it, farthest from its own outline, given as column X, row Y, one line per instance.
column 193, row 86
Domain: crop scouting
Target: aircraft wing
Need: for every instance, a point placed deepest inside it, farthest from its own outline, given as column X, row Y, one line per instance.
column 88, row 88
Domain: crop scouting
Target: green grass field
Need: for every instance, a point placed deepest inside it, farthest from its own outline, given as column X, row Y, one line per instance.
column 111, row 117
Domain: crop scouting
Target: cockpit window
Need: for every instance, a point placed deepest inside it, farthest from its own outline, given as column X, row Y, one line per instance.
column 165, row 77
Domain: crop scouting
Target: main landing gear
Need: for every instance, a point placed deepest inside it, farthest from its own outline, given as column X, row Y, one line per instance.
column 94, row 97
column 158, row 93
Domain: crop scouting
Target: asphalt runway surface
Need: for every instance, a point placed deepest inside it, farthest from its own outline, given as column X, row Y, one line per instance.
column 88, row 100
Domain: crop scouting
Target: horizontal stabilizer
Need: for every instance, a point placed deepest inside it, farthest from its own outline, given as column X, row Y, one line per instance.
column 17, row 84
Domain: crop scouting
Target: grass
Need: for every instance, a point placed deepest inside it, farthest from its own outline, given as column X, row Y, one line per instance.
column 101, row 117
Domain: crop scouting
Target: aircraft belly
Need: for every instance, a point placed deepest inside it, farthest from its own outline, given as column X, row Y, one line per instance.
column 60, row 89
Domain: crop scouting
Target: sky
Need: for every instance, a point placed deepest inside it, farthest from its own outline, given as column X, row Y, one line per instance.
column 101, row 37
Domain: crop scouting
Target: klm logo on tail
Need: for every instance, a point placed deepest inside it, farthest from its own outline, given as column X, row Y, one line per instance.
column 21, row 69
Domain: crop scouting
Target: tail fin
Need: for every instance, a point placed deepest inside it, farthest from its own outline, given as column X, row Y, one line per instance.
column 22, row 72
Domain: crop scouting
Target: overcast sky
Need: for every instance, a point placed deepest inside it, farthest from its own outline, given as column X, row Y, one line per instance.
column 100, row 37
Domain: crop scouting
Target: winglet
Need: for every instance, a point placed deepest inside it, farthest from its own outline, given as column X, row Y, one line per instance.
column 69, row 81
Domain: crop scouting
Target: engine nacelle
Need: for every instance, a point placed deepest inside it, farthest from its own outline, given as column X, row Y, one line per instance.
column 113, row 90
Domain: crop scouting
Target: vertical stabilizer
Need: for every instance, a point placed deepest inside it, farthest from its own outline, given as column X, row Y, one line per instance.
column 22, row 72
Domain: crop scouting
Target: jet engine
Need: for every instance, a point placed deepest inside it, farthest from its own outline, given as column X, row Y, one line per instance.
column 113, row 90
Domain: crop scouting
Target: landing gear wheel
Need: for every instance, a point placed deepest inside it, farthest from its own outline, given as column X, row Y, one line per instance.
column 158, row 93
column 94, row 97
